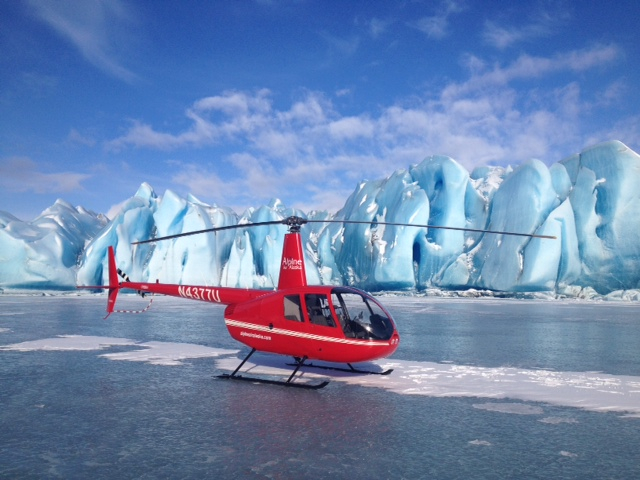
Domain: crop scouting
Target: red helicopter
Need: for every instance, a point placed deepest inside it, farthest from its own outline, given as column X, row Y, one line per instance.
column 333, row 324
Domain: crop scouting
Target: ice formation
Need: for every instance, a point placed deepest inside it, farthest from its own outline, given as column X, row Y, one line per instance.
column 45, row 252
column 590, row 202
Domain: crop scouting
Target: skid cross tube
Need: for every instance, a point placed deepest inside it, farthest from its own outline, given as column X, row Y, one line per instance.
column 299, row 364
column 243, row 362
column 288, row 383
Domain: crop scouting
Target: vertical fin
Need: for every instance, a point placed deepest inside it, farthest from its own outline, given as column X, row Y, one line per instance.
column 292, row 269
column 114, row 284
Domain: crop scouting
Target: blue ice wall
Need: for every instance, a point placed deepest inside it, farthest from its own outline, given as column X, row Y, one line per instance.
column 589, row 201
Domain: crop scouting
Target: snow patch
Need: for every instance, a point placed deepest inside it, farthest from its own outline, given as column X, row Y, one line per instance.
column 483, row 443
column 517, row 408
column 558, row 420
column 68, row 343
column 585, row 390
column 155, row 353
column 167, row 353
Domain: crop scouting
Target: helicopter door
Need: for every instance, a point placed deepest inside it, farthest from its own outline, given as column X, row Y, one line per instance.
column 341, row 313
column 318, row 309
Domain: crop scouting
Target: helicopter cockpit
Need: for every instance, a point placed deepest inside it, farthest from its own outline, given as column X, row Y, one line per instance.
column 358, row 314
column 361, row 316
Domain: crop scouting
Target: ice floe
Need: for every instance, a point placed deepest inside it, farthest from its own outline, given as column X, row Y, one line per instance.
column 593, row 391
column 156, row 353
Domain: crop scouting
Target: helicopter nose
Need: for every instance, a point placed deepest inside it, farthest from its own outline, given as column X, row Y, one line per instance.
column 395, row 339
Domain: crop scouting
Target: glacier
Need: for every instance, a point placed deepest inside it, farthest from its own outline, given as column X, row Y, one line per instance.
column 589, row 201
column 45, row 253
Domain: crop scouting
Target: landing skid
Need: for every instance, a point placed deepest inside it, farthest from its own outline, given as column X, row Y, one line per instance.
column 282, row 383
column 288, row 383
column 351, row 368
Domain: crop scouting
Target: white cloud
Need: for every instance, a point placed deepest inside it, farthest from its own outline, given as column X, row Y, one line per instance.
column 614, row 92
column 351, row 127
column 21, row 174
column 627, row 130
column 539, row 24
column 142, row 135
column 527, row 67
column 377, row 27
column 203, row 181
column 309, row 150
column 311, row 110
column 92, row 26
column 433, row 27
column 437, row 26
column 216, row 118
column 235, row 103
column 344, row 46
column 504, row 37
column 76, row 137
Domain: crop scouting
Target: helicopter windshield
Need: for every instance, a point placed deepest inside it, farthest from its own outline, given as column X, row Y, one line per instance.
column 361, row 316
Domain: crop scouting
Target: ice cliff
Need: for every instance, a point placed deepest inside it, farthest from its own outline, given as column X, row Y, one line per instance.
column 45, row 252
column 590, row 202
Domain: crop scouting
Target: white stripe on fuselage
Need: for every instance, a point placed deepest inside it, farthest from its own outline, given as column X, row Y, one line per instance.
column 309, row 336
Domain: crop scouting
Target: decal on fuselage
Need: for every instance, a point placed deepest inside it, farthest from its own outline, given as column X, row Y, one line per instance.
column 199, row 293
column 255, row 335
column 291, row 264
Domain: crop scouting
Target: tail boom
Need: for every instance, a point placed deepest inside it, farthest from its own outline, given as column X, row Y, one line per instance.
column 222, row 295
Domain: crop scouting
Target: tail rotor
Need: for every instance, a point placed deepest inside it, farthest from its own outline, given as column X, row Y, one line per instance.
column 115, row 285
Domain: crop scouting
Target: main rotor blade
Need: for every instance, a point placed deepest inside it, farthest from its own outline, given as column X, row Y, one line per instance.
column 208, row 230
column 296, row 222
column 461, row 229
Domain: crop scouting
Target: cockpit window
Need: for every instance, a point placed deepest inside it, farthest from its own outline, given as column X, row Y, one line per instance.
column 360, row 316
column 318, row 309
column 292, row 310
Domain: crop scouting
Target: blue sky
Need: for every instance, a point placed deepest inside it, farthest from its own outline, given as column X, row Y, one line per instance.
column 238, row 102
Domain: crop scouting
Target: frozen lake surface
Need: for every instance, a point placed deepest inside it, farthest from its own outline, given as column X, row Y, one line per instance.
column 481, row 388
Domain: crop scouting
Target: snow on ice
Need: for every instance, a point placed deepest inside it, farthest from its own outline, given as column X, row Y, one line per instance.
column 590, row 202
column 594, row 391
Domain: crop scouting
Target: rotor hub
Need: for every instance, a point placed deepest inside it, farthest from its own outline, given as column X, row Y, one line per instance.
column 294, row 223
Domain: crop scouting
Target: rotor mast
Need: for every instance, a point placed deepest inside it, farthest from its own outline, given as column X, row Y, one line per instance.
column 292, row 269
